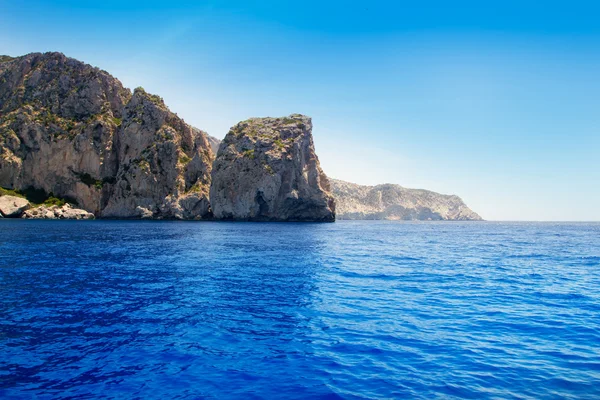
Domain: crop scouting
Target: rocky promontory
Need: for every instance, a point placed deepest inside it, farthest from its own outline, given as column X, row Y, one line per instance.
column 394, row 202
column 267, row 170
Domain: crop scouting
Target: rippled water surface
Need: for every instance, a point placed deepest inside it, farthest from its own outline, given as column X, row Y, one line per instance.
column 167, row 310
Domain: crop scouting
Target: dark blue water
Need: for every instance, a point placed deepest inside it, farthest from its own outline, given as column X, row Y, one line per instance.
column 111, row 309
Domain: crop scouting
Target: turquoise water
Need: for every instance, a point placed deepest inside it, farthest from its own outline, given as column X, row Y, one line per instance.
column 125, row 309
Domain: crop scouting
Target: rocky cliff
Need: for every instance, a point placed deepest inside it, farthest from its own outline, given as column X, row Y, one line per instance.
column 394, row 202
column 74, row 131
column 267, row 170
column 164, row 165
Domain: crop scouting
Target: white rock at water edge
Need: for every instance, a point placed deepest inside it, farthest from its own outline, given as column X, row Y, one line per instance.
column 12, row 206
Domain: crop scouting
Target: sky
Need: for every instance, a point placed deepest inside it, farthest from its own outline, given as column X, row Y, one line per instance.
column 497, row 102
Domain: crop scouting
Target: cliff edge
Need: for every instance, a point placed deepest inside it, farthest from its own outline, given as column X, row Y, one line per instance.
column 267, row 170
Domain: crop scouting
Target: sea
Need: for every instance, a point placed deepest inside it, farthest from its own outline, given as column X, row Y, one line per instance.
column 345, row 310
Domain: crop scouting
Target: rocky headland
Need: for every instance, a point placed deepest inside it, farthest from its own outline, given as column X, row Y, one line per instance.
column 394, row 202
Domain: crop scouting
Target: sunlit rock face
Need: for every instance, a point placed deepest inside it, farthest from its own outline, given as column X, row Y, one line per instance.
column 394, row 202
column 74, row 131
column 267, row 170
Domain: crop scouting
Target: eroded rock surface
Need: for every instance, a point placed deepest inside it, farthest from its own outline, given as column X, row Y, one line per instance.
column 394, row 202
column 164, row 165
column 267, row 170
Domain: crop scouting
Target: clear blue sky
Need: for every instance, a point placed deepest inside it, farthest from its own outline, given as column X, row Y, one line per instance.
column 498, row 103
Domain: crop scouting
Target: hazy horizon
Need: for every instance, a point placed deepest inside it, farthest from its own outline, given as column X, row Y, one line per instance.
column 497, row 106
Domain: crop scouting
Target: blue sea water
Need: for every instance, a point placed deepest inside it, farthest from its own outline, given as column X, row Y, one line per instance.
column 178, row 310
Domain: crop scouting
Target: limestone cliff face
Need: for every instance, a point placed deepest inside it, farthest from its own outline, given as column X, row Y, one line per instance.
column 74, row 131
column 267, row 170
column 57, row 123
column 164, row 165
column 394, row 202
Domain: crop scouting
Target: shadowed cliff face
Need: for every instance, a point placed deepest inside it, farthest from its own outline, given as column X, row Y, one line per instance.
column 394, row 202
column 267, row 170
column 74, row 130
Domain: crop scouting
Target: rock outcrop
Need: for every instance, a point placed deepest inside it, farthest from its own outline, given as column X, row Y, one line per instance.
column 394, row 202
column 57, row 212
column 74, row 131
column 20, row 207
column 267, row 170
column 12, row 206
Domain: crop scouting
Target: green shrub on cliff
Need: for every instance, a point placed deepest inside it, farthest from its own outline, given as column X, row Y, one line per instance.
column 279, row 144
column 10, row 192
column 54, row 201
column 184, row 159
